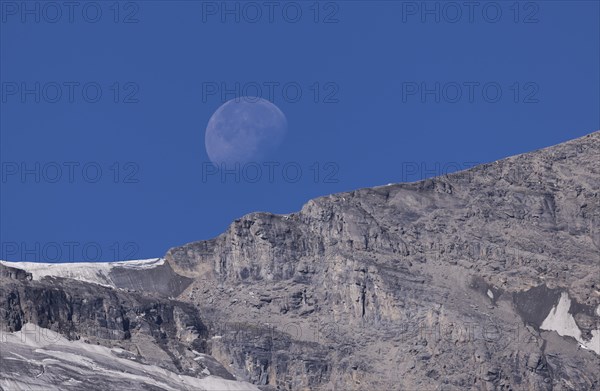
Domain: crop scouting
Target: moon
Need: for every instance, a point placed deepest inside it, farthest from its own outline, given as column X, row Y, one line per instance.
column 244, row 130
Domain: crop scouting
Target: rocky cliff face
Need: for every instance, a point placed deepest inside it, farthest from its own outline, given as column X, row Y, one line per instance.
column 417, row 285
column 105, row 316
column 487, row 279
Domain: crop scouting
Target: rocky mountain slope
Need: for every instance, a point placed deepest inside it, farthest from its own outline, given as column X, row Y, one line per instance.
column 54, row 363
column 487, row 279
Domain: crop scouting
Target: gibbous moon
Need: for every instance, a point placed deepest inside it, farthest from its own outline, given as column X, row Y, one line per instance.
column 243, row 130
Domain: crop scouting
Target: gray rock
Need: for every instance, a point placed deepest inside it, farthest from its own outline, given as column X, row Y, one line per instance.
column 419, row 261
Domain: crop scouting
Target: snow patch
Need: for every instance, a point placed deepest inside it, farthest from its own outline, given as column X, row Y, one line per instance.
column 560, row 320
column 94, row 272
column 594, row 343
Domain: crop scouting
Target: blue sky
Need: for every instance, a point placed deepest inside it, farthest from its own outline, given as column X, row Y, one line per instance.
column 104, row 107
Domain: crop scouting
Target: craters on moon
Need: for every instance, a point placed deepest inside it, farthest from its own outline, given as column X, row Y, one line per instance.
column 244, row 130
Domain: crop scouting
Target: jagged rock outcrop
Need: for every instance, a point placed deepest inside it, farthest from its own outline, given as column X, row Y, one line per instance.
column 102, row 315
column 14, row 273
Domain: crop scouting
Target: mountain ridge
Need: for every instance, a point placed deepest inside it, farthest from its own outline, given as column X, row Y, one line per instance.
column 484, row 279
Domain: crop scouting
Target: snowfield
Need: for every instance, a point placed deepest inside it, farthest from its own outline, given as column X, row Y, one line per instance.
column 93, row 272
column 36, row 358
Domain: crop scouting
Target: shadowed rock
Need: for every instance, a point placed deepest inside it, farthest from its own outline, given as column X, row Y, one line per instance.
column 160, row 279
